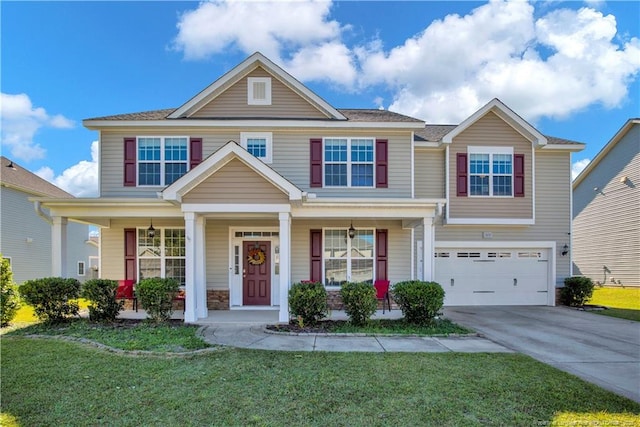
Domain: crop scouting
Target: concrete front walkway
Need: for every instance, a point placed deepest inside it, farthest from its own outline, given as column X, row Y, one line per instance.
column 599, row 349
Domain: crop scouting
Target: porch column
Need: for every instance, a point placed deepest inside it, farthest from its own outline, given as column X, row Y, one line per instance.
column 190, row 267
column 285, row 265
column 59, row 246
column 201, row 278
column 428, row 244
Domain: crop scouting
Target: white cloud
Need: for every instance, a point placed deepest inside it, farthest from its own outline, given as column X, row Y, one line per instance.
column 540, row 59
column 578, row 166
column 457, row 64
column 81, row 179
column 21, row 120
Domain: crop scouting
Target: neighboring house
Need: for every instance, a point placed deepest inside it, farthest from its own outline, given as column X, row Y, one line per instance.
column 256, row 183
column 25, row 232
column 606, row 212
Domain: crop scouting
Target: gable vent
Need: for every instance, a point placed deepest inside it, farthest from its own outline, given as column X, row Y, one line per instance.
column 259, row 91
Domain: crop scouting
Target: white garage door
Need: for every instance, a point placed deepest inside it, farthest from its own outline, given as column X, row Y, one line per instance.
column 493, row 276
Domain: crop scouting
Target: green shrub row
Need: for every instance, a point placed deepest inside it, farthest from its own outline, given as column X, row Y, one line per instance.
column 419, row 301
column 577, row 291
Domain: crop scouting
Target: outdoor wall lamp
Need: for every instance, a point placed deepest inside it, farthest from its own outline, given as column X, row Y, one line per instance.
column 151, row 232
column 352, row 231
column 565, row 250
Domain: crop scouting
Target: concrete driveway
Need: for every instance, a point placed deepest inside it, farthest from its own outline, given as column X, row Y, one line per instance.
column 598, row 349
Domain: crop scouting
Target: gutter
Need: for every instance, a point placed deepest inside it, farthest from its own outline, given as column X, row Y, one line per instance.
column 41, row 213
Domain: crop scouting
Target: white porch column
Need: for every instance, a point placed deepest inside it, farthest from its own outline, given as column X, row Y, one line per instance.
column 285, row 265
column 428, row 244
column 190, row 267
column 59, row 247
column 200, row 261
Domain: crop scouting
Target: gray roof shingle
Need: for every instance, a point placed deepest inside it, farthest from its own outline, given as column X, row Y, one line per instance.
column 21, row 178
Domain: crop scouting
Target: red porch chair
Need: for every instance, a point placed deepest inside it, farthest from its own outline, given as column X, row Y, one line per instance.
column 382, row 292
column 125, row 291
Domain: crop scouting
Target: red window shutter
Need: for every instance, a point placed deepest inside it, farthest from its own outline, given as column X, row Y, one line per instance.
column 316, row 162
column 518, row 175
column 129, row 162
column 195, row 152
column 316, row 256
column 382, row 163
column 461, row 174
column 130, row 262
column 381, row 254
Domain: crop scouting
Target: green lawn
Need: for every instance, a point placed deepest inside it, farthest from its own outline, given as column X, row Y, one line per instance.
column 622, row 302
column 51, row 382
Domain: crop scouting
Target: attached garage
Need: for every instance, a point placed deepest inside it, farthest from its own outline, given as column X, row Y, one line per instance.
column 497, row 275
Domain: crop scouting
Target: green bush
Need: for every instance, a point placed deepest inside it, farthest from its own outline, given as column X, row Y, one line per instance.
column 53, row 298
column 577, row 291
column 101, row 294
column 308, row 301
column 9, row 298
column 419, row 301
column 156, row 296
column 359, row 301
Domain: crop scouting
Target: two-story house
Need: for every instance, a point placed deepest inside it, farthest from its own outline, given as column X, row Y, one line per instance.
column 25, row 232
column 256, row 183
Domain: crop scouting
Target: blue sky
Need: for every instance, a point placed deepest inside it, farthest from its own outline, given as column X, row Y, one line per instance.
column 569, row 68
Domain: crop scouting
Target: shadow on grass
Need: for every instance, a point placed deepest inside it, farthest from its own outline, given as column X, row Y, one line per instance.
column 621, row 313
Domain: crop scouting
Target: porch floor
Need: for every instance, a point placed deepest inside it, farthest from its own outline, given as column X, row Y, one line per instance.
column 250, row 316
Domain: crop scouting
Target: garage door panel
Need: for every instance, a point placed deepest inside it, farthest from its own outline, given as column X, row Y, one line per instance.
column 502, row 276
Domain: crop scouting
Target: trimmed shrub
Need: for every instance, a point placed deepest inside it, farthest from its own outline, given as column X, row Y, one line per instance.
column 9, row 298
column 419, row 301
column 101, row 294
column 54, row 299
column 359, row 301
column 156, row 296
column 308, row 301
column 577, row 291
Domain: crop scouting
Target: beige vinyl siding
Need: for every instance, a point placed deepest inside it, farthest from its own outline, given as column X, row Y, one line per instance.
column 285, row 103
column 606, row 227
column 491, row 131
column 553, row 212
column 235, row 182
column 290, row 158
column 429, row 173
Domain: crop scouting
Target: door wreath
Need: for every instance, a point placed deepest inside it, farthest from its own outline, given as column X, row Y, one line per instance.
column 256, row 256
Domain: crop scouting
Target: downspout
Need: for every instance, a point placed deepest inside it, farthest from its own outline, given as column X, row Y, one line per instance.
column 41, row 213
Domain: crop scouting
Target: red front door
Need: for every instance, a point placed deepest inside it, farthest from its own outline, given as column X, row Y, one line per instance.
column 256, row 277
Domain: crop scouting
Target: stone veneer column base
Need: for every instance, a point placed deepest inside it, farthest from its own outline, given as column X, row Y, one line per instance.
column 217, row 299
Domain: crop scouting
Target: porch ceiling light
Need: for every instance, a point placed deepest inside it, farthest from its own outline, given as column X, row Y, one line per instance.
column 352, row 231
column 151, row 232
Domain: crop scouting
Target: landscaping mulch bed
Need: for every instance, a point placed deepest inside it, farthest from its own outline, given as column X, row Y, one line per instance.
column 324, row 326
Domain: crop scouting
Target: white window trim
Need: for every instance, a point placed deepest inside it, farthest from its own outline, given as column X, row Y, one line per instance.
column 348, row 258
column 162, row 159
column 490, row 151
column 163, row 256
column 268, row 136
column 349, row 162
column 251, row 100
column 84, row 268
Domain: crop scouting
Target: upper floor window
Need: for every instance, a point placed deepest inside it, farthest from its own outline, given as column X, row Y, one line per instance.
column 348, row 162
column 258, row 144
column 161, row 160
column 259, row 91
column 490, row 171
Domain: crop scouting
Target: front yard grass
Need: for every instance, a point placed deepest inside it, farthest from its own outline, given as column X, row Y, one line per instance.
column 621, row 302
column 50, row 382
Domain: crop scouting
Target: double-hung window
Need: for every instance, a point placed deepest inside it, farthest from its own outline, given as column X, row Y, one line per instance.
column 259, row 144
column 161, row 160
column 490, row 171
column 348, row 162
column 162, row 255
column 346, row 259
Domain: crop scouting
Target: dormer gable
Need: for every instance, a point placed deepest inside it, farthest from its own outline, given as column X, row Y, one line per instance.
column 257, row 88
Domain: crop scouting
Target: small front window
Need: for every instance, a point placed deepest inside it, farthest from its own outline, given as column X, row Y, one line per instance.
column 258, row 144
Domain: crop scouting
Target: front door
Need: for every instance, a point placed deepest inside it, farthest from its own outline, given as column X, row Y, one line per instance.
column 256, row 273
